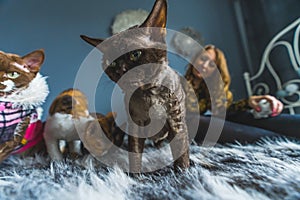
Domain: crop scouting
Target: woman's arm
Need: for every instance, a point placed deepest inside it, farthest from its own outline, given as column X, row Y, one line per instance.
column 253, row 103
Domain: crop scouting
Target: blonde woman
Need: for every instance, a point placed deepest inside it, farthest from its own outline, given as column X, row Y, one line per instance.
column 210, row 67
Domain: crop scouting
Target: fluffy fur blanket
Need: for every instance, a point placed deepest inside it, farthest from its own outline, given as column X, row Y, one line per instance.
column 265, row 170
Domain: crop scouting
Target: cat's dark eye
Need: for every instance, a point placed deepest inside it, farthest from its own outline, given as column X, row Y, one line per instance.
column 12, row 75
column 110, row 64
column 113, row 64
column 135, row 55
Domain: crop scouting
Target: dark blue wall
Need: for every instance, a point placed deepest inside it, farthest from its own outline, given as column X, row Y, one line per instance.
column 56, row 25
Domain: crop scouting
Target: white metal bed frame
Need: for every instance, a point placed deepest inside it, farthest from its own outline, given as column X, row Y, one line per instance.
column 294, row 55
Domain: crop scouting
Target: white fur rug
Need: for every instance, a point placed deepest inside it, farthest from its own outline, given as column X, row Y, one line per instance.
column 266, row 170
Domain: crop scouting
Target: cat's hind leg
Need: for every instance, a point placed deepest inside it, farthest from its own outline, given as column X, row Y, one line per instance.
column 179, row 143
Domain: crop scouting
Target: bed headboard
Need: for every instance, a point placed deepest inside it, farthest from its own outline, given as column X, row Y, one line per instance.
column 287, row 90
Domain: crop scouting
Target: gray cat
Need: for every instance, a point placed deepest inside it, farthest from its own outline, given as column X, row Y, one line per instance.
column 153, row 93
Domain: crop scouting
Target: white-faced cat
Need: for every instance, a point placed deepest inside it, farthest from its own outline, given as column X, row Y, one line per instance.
column 22, row 91
column 155, row 89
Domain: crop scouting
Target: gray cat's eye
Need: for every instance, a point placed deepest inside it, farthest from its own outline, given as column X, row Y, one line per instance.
column 135, row 55
column 108, row 63
column 113, row 64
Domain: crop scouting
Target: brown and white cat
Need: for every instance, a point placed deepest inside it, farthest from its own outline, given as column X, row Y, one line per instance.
column 69, row 122
column 68, row 115
column 22, row 91
column 155, row 89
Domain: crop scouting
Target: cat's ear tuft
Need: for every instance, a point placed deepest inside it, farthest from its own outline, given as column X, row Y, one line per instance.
column 158, row 15
column 93, row 41
column 34, row 60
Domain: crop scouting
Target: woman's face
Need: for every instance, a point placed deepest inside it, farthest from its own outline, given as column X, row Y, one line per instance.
column 205, row 64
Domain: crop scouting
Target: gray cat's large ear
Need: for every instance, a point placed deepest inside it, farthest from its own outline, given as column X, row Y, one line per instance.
column 93, row 41
column 34, row 60
column 158, row 15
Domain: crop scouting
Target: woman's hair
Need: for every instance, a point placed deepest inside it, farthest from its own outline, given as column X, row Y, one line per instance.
column 221, row 84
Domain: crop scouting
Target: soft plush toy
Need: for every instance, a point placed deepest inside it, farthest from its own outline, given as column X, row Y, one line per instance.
column 70, row 121
column 68, row 115
column 265, row 110
column 22, row 91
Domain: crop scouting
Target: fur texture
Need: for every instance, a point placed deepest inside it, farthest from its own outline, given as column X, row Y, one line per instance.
column 33, row 96
column 262, row 171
